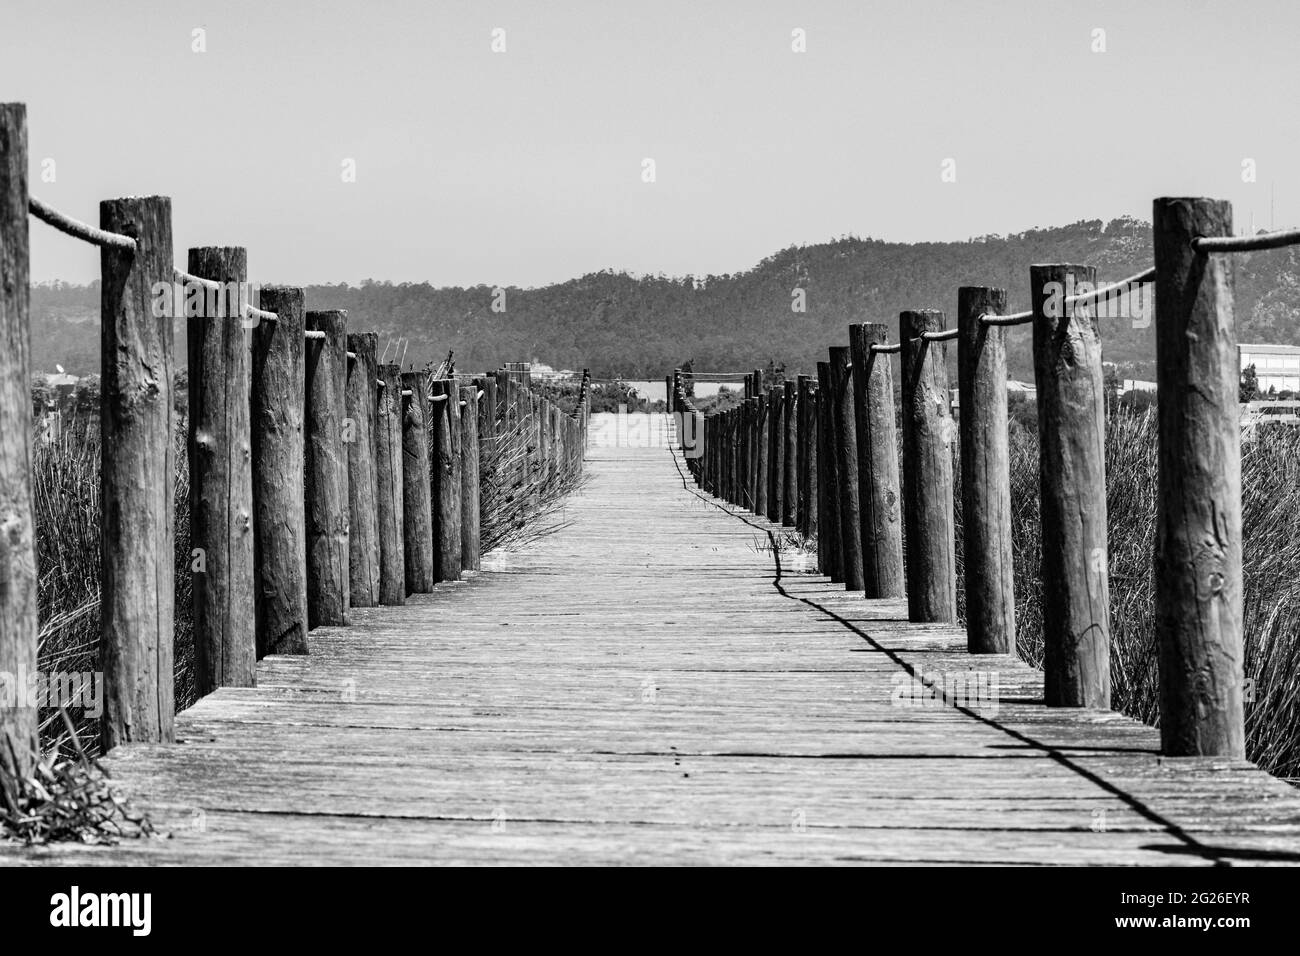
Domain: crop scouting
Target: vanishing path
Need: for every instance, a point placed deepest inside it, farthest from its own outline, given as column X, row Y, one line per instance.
column 642, row 687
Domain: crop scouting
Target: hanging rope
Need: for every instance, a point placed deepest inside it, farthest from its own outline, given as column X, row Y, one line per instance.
column 76, row 228
column 1267, row 240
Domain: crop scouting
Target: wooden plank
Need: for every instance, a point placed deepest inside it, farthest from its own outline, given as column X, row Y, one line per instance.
column 667, row 705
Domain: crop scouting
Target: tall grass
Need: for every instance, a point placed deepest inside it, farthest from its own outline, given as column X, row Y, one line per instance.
column 66, row 508
column 1271, row 564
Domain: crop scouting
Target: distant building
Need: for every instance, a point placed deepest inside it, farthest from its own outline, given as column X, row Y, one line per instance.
column 1135, row 385
column 1023, row 389
column 1276, row 366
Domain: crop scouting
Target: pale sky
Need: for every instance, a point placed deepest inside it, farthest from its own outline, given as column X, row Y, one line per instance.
column 526, row 167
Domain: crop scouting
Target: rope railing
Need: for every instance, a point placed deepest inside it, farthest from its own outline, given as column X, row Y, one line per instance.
column 78, row 229
column 865, row 491
column 1265, row 240
column 247, row 510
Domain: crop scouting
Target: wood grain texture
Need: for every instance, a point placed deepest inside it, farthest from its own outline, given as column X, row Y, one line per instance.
column 18, row 612
column 361, row 396
column 469, row 490
column 829, row 557
column 682, row 705
column 389, row 492
column 279, row 525
column 763, row 453
column 846, row 466
column 985, row 472
column 790, row 454
column 1072, row 482
column 137, row 476
column 776, row 452
column 417, row 505
column 803, row 436
column 928, row 434
column 1198, row 520
column 221, row 473
column 325, row 484
column 881, row 506
column 444, row 476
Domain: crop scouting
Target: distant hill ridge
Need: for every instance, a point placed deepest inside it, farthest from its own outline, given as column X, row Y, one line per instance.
column 639, row 326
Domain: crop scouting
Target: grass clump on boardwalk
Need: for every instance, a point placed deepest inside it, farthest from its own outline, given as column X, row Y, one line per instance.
column 66, row 800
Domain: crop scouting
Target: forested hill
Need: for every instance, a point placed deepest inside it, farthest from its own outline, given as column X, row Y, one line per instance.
column 637, row 327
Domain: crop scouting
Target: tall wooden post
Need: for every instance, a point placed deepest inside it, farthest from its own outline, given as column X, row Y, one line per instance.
column 811, row 526
column 1198, row 577
column 389, row 494
column 753, row 454
column 776, row 453
column 221, row 475
column 985, row 473
column 325, row 485
column 790, row 454
column 1072, row 475
column 417, row 531
column 19, row 745
column 928, row 433
column 829, row 558
column 469, row 504
column 275, row 417
column 846, row 464
column 878, row 492
column 444, row 476
column 359, row 436
column 804, row 433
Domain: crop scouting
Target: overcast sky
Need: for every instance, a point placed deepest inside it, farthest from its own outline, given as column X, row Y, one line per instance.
column 527, row 166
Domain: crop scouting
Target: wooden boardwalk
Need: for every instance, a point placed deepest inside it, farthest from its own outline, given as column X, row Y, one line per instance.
column 645, row 687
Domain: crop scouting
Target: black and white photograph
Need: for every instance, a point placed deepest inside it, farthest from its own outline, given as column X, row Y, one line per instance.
column 692, row 434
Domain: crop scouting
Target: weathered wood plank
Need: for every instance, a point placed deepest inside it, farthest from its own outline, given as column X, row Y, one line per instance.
column 668, row 705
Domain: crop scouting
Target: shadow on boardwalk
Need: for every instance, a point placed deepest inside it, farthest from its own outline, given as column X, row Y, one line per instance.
column 645, row 687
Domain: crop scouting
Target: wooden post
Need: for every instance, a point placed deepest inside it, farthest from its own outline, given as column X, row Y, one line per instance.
column 469, row 505
column 444, row 477
column 846, row 463
column 927, row 471
column 812, row 528
column 776, row 453
column 325, row 484
column 878, row 493
column 985, row 473
column 417, row 531
column 790, row 453
column 359, row 436
column 221, row 475
column 829, row 559
column 753, row 432
column 275, row 417
column 389, row 492
column 1072, row 476
column 19, row 744
column 1198, row 577
column 804, row 432
column 668, row 394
